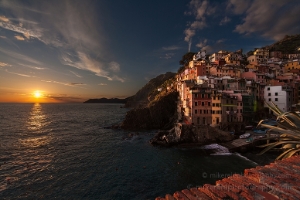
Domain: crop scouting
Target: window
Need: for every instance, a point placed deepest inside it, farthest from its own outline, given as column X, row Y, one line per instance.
column 241, row 111
column 214, row 98
column 268, row 88
column 196, row 95
column 213, row 104
column 202, row 95
column 196, row 111
column 200, row 111
column 269, row 99
column 204, row 111
column 269, row 94
column 218, row 120
column 276, row 99
column 276, row 93
column 208, row 103
column 196, row 103
column 202, row 103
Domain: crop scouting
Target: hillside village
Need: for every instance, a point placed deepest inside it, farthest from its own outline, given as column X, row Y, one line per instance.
column 227, row 90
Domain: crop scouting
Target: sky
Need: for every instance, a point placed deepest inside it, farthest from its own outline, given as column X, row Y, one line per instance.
column 74, row 50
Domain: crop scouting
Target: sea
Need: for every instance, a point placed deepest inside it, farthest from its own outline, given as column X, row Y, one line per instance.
column 68, row 151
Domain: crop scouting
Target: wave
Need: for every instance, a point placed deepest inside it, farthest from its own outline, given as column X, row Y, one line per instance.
column 239, row 155
column 218, row 149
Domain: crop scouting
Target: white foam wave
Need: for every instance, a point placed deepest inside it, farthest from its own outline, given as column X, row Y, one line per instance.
column 239, row 155
column 219, row 149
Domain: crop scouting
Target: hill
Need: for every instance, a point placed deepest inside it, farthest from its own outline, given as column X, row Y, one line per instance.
column 149, row 91
column 289, row 44
column 105, row 100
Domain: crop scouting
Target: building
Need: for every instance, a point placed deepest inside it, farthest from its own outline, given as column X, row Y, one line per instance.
column 281, row 96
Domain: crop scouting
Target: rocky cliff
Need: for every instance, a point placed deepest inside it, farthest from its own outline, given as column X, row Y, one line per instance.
column 145, row 95
column 159, row 114
column 190, row 134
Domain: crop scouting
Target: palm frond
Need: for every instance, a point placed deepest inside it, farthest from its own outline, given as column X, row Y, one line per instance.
column 283, row 154
column 272, row 145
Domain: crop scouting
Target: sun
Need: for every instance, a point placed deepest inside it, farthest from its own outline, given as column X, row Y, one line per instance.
column 37, row 94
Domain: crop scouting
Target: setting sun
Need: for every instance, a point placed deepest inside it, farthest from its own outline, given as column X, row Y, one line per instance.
column 37, row 94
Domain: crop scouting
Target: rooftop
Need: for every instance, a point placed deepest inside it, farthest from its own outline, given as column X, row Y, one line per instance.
column 279, row 180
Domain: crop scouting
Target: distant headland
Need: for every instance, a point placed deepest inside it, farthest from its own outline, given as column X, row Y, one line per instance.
column 105, row 100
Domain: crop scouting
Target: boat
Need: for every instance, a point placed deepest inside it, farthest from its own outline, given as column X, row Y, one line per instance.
column 246, row 135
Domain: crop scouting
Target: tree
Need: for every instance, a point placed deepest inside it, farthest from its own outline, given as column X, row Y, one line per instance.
column 186, row 58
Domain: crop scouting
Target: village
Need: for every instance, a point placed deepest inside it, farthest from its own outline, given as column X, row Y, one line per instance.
column 229, row 89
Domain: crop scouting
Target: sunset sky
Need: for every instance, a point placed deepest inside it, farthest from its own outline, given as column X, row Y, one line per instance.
column 70, row 51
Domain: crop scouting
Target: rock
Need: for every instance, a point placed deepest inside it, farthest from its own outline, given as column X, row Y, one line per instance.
column 148, row 92
column 160, row 114
column 190, row 134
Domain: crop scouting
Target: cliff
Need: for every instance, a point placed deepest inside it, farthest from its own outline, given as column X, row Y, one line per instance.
column 289, row 44
column 183, row 134
column 158, row 114
column 145, row 95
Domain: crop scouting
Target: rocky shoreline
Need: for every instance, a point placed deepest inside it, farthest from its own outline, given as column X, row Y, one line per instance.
column 190, row 135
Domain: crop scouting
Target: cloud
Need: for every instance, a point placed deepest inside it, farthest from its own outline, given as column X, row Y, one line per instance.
column 20, row 57
column 4, row 19
column 271, row 19
column 76, row 83
column 171, row 48
column 114, row 66
column 116, row 78
column 203, row 45
column 18, row 37
column 168, row 55
column 19, row 74
column 67, row 27
column 35, row 32
column 3, row 64
column 237, row 6
column 64, row 83
column 85, row 62
column 32, row 67
column 220, row 41
column 225, row 20
column 200, row 10
column 102, row 84
column 77, row 75
column 189, row 33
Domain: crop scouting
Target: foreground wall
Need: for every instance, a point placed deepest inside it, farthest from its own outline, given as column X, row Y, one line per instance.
column 279, row 180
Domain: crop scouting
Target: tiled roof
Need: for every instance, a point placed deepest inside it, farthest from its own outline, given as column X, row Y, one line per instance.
column 279, row 180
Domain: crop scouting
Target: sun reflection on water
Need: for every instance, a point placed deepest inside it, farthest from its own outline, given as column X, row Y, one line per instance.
column 37, row 118
column 32, row 153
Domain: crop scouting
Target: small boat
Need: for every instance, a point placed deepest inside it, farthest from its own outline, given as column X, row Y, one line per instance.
column 246, row 135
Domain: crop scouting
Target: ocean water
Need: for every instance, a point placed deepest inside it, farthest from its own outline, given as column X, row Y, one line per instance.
column 64, row 151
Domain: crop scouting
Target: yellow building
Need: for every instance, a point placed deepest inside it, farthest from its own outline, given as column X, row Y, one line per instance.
column 216, row 109
column 262, row 55
column 292, row 65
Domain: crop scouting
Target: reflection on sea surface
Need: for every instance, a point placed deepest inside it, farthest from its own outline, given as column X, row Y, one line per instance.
column 36, row 119
column 31, row 153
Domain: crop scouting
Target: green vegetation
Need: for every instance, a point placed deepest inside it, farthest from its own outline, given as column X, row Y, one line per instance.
column 186, row 58
column 288, row 127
